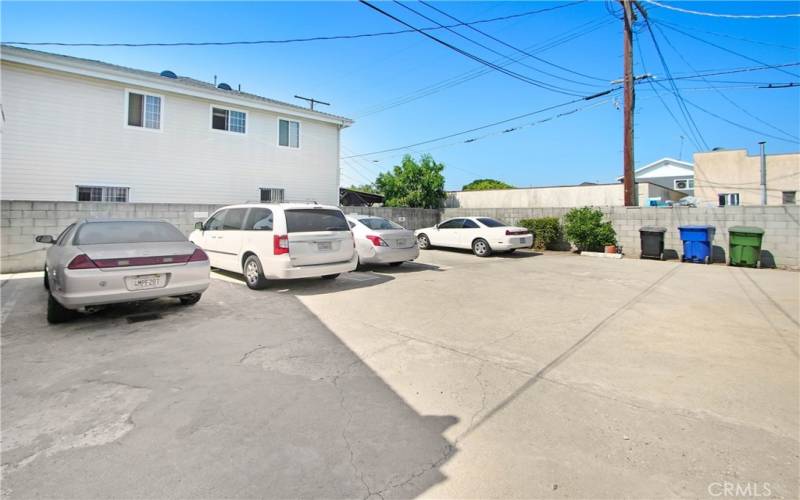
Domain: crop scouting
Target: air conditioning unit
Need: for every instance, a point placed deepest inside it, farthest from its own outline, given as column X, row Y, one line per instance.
column 681, row 184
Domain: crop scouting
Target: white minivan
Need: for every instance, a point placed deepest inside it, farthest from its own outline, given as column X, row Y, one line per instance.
column 278, row 241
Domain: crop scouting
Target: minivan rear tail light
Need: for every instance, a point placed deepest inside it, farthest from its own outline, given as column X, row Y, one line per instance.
column 280, row 244
column 198, row 256
column 81, row 261
column 516, row 233
column 377, row 240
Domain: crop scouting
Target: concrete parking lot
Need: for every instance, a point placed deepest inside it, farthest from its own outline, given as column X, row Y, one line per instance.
column 521, row 376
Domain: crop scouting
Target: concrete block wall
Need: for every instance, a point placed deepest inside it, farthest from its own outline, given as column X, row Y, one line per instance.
column 781, row 246
column 22, row 221
column 410, row 218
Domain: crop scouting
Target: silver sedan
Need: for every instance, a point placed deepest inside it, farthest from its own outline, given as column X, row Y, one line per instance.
column 381, row 241
column 97, row 262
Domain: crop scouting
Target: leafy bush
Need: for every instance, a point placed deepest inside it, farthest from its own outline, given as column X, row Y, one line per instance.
column 546, row 231
column 585, row 228
column 484, row 184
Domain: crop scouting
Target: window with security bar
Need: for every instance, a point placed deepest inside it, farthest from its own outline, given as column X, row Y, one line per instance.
column 103, row 193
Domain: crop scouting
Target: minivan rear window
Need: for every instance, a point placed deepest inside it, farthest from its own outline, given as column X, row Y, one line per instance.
column 102, row 233
column 307, row 220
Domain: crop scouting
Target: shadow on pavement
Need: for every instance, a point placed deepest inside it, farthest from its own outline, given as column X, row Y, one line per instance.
column 405, row 268
column 234, row 397
column 313, row 286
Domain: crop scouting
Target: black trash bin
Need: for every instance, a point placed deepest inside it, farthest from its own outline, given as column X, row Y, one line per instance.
column 652, row 242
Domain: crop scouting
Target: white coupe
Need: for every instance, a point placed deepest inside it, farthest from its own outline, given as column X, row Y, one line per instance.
column 483, row 235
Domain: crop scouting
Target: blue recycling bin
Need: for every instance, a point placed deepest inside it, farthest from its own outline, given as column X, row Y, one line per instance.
column 697, row 242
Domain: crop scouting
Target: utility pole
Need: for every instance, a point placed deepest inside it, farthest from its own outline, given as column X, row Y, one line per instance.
column 763, row 173
column 311, row 101
column 627, row 154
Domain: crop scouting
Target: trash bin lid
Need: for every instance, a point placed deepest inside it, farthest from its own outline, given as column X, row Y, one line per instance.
column 652, row 229
column 700, row 226
column 746, row 229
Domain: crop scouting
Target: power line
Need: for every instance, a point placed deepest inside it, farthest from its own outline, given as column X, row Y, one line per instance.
column 476, row 73
column 448, row 136
column 725, row 35
column 541, row 83
column 735, row 124
column 726, row 49
column 722, row 94
column 292, row 40
column 523, row 52
column 728, row 16
column 712, row 72
column 469, row 55
column 678, row 99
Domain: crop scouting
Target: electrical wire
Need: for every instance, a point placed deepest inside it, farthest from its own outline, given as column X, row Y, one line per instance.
column 725, row 49
column 722, row 94
column 727, row 16
column 292, row 40
column 456, row 80
column 505, row 57
column 469, row 55
column 725, row 35
column 474, row 129
column 731, row 122
column 678, row 98
column 523, row 52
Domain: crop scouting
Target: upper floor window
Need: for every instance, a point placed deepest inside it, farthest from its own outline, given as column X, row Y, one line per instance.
column 288, row 133
column 684, row 184
column 103, row 193
column 790, row 197
column 144, row 110
column 229, row 120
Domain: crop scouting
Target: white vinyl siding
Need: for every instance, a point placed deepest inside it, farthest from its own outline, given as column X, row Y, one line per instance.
column 43, row 138
column 288, row 133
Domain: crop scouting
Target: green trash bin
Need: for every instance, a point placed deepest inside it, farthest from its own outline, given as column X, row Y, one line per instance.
column 745, row 246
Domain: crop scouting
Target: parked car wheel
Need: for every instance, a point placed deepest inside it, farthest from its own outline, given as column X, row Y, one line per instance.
column 56, row 313
column 46, row 279
column 481, row 248
column 253, row 275
column 188, row 300
column 423, row 242
column 330, row 276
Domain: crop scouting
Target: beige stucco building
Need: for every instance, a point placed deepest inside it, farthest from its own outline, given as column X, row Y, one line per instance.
column 734, row 178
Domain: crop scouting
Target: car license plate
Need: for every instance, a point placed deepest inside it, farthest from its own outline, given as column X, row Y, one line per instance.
column 324, row 245
column 145, row 281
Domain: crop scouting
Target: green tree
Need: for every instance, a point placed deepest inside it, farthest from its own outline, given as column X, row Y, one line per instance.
column 417, row 184
column 483, row 184
column 365, row 188
column 585, row 228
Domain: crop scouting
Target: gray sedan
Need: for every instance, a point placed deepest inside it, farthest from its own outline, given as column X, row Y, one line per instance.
column 97, row 262
column 381, row 241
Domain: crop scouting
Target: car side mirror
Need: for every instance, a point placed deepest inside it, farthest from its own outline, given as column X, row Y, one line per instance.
column 45, row 238
column 436, row 227
column 198, row 225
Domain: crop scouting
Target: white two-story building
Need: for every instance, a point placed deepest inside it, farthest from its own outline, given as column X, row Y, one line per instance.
column 81, row 130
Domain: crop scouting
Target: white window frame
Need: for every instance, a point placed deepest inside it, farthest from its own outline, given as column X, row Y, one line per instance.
column 228, row 131
column 689, row 183
column 104, row 190
column 272, row 190
column 299, row 133
column 126, row 108
column 728, row 199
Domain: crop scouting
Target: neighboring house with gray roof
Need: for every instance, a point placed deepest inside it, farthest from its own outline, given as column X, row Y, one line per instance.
column 78, row 129
column 669, row 173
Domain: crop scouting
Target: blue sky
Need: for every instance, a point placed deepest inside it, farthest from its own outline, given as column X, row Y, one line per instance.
column 364, row 75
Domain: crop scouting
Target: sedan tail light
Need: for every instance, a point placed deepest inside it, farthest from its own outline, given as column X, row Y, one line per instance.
column 280, row 244
column 377, row 240
column 198, row 256
column 509, row 232
column 81, row 261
